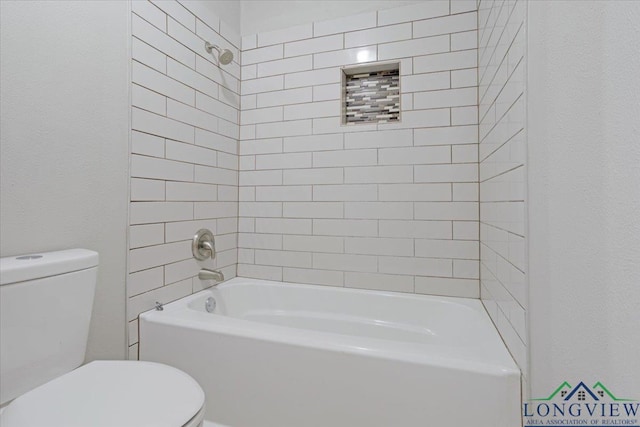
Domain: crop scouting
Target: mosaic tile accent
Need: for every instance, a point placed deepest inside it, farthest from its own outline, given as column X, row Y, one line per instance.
column 373, row 97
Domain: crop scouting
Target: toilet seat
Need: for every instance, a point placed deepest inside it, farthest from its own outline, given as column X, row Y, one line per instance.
column 111, row 394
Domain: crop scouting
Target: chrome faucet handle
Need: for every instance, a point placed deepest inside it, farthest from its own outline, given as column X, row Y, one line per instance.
column 203, row 245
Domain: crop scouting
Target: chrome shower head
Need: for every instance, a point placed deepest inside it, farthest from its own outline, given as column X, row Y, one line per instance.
column 225, row 56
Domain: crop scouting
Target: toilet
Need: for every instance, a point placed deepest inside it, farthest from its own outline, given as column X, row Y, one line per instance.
column 45, row 310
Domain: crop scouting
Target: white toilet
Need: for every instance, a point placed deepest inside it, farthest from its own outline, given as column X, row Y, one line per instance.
column 45, row 309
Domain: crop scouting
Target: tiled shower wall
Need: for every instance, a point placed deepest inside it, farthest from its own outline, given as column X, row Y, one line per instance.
column 501, row 71
column 184, row 158
column 376, row 206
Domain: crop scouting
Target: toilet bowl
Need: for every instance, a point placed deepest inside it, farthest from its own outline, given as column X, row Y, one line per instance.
column 46, row 302
column 111, row 394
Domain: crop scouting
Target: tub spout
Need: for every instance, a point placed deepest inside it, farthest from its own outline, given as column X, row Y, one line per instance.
column 206, row 274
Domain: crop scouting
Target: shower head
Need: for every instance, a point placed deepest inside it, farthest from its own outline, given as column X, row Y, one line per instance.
column 225, row 56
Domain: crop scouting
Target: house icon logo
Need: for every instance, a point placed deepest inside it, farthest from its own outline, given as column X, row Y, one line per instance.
column 582, row 405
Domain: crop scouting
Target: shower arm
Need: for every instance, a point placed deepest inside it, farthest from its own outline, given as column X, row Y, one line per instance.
column 209, row 47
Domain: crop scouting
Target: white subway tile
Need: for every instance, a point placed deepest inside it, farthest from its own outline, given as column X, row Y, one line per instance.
column 191, row 191
column 447, row 286
column 445, row 61
column 459, row 6
column 414, row 155
column 312, row 78
column 364, row 192
column 144, row 281
column 148, row 100
column 265, row 84
column 217, row 108
column 345, row 227
column 463, row 41
column 285, row 66
column 284, row 97
column 296, row 193
column 211, row 175
column 160, row 83
column 378, row 174
column 190, row 153
column 445, row 24
column 422, row 10
column 218, row 75
column 216, row 141
column 261, row 115
column 312, row 209
column 312, row 110
column 421, row 118
column 313, row 243
column 378, row 246
column 183, row 230
column 283, row 161
column 260, row 271
column 248, row 102
column 304, row 31
column 445, row 98
column 386, row 34
column 259, row 241
column 378, row 210
column 466, row 269
column 448, row 211
column 416, row 229
column 282, row 258
column 379, row 282
column 356, row 55
column 148, row 212
column 192, row 116
column 314, row 142
column 268, row 177
column 447, row 135
column 147, row 55
column 249, row 72
column 151, row 167
column 315, row 45
column 161, row 41
column 424, row 82
column 378, row 139
column 161, row 126
column 334, row 125
column 261, row 146
column 147, row 301
column 343, row 262
column 147, row 190
column 228, row 193
column 150, row 13
column 415, row 266
column 209, row 210
column 466, row 230
column 414, row 192
column 314, row 277
column 283, row 226
column 344, row 24
column 326, row 92
column 345, row 158
column 262, row 54
column 460, row 249
column 409, row 48
column 178, row 12
column 249, row 42
column 291, row 128
column 230, row 32
column 446, row 173
column 464, row 116
column 146, row 235
column 464, row 78
column 465, row 192
column 153, row 256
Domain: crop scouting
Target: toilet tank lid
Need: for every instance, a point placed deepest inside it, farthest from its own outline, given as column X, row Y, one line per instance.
column 21, row 268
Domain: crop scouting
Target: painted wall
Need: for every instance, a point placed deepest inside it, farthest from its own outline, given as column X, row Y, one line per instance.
column 502, row 155
column 259, row 16
column 184, row 145
column 63, row 150
column 584, row 194
column 378, row 206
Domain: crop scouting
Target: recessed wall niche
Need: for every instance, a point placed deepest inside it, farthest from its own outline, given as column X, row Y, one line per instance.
column 371, row 93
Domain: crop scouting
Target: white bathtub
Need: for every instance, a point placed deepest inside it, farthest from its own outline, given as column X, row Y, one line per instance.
column 287, row 355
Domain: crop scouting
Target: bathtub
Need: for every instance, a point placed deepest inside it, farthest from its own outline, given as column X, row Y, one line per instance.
column 276, row 354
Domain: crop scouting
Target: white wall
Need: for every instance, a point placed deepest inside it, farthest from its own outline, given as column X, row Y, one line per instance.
column 502, row 155
column 184, row 162
column 584, row 188
column 259, row 15
column 388, row 206
column 64, row 143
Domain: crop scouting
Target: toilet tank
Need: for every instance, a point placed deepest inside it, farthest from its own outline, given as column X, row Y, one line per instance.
column 45, row 310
